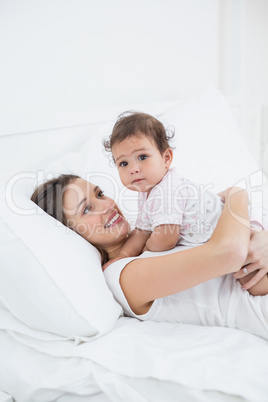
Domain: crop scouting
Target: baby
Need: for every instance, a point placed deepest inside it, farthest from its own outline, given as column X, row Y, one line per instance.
column 171, row 209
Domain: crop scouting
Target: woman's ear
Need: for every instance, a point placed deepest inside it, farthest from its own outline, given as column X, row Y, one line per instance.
column 168, row 157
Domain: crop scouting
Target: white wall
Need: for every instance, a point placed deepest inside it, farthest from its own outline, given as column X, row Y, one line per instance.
column 65, row 55
column 255, row 74
column 61, row 56
column 244, row 67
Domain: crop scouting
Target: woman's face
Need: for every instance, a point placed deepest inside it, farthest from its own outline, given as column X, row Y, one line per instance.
column 93, row 215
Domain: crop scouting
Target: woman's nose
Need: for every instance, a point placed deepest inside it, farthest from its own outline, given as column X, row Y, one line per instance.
column 105, row 205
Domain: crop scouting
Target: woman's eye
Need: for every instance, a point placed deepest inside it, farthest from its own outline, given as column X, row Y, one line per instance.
column 142, row 157
column 123, row 164
column 100, row 194
column 87, row 209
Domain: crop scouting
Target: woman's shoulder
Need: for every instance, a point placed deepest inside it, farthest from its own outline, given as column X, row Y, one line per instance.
column 112, row 276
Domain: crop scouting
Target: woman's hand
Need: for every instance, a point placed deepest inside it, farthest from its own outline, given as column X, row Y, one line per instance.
column 257, row 259
column 229, row 190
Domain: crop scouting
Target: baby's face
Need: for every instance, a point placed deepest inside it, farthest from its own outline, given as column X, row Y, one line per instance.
column 140, row 164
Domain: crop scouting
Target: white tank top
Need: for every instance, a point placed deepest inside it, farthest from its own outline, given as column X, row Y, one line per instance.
column 205, row 304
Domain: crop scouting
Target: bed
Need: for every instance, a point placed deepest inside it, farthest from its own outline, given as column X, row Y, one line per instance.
column 62, row 335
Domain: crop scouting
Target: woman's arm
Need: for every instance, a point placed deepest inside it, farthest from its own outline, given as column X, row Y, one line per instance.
column 144, row 280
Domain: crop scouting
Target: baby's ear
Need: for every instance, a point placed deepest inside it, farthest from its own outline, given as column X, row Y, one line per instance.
column 168, row 157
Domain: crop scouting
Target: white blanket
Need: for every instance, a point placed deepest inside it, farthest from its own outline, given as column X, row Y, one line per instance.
column 125, row 363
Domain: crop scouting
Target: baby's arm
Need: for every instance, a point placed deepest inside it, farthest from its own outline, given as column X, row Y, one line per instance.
column 164, row 237
column 133, row 246
column 135, row 243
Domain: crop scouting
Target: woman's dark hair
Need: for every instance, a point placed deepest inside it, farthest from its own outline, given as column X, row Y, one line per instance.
column 49, row 196
column 131, row 124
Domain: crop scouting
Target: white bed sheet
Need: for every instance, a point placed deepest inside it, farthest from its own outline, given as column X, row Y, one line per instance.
column 198, row 363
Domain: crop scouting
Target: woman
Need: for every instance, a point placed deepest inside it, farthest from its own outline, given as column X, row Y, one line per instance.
column 191, row 286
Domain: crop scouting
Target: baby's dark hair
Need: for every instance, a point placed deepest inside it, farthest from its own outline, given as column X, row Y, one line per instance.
column 131, row 124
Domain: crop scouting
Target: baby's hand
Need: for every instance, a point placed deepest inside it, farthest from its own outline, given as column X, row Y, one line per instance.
column 222, row 195
column 145, row 248
column 119, row 257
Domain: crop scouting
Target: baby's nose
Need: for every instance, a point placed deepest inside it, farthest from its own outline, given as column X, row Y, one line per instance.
column 135, row 168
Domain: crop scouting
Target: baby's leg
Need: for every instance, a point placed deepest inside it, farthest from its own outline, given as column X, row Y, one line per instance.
column 260, row 289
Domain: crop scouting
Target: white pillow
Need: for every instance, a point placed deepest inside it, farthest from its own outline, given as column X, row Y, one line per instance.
column 210, row 149
column 51, row 278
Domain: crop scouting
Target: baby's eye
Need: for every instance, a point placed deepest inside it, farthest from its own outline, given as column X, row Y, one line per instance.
column 142, row 157
column 87, row 209
column 123, row 164
column 100, row 194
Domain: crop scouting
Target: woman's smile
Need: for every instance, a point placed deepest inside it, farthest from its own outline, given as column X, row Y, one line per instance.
column 114, row 219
